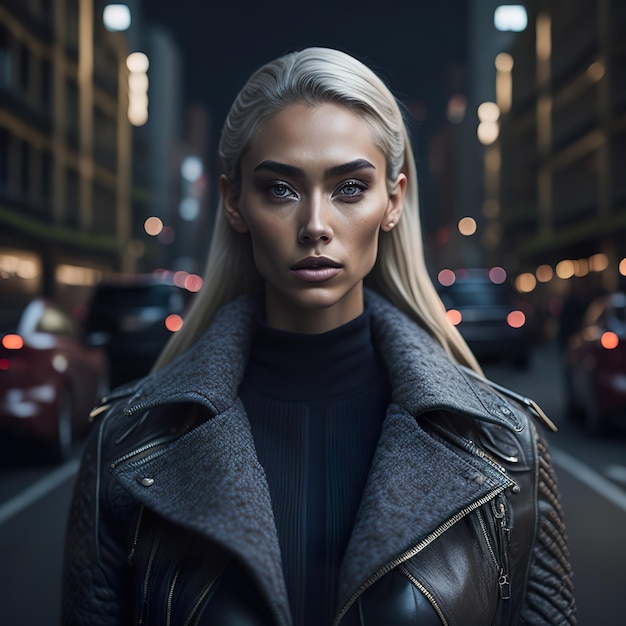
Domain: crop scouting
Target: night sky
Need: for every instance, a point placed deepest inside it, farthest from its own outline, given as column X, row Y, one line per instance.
column 417, row 46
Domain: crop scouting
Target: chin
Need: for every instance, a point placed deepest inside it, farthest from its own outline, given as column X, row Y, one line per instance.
column 324, row 298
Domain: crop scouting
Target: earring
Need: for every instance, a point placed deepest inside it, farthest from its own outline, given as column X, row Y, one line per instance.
column 390, row 225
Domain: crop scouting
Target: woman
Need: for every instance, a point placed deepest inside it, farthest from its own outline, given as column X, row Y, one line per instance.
column 309, row 450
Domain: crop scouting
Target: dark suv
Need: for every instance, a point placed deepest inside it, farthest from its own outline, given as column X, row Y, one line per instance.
column 133, row 317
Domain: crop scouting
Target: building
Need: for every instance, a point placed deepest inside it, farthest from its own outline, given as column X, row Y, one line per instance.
column 65, row 147
column 86, row 157
column 562, row 143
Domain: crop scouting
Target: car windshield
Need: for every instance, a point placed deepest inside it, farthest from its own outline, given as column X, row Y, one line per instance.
column 111, row 301
column 9, row 319
column 475, row 294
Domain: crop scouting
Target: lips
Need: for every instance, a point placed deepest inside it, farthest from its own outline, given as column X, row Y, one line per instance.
column 316, row 269
column 315, row 262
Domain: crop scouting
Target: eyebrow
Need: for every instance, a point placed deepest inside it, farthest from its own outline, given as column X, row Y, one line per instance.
column 331, row 172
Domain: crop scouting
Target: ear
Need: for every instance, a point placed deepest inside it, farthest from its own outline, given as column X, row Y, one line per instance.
column 395, row 204
column 231, row 205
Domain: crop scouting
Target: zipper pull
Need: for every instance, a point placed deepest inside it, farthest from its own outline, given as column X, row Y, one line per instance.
column 504, row 533
column 505, row 585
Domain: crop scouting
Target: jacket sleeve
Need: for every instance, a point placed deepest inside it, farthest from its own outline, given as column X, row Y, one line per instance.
column 95, row 560
column 550, row 593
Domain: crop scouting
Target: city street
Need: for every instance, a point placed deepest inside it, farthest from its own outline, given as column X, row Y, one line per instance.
column 592, row 474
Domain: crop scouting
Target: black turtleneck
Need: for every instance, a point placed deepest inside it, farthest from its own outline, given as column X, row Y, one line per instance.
column 316, row 404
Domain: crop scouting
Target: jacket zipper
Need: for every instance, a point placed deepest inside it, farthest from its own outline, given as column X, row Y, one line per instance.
column 203, row 595
column 405, row 556
column 179, row 397
column 429, row 596
column 485, row 532
column 148, row 575
column 471, row 447
column 504, row 534
column 145, row 448
column 170, row 597
column 131, row 554
column 503, row 567
column 499, row 511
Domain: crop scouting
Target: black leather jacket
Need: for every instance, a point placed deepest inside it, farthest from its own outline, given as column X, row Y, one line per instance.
column 460, row 521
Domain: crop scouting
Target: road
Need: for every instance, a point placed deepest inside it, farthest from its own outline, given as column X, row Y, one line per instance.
column 591, row 473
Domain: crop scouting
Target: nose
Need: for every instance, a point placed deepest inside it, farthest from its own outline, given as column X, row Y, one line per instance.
column 315, row 225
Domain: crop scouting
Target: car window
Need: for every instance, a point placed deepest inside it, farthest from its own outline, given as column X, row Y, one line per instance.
column 55, row 322
column 9, row 320
column 111, row 302
column 474, row 294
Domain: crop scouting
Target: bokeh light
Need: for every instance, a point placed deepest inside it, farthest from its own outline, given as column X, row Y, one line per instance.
column 565, row 269
column 116, row 17
column 516, row 319
column 609, row 340
column 544, row 273
column 525, row 282
column 497, row 275
column 173, row 322
column 193, row 283
column 467, row 226
column 153, row 226
column 454, row 317
column 446, row 277
column 12, row 342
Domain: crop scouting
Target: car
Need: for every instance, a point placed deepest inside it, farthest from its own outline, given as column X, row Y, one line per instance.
column 50, row 377
column 132, row 316
column 493, row 320
column 595, row 364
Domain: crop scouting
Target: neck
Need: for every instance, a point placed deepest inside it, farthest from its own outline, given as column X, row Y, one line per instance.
column 319, row 312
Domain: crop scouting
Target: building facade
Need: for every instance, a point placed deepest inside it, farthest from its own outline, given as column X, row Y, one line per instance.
column 65, row 147
column 562, row 144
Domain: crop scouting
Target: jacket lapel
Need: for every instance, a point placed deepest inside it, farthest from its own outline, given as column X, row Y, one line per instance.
column 416, row 483
column 211, row 482
column 415, row 486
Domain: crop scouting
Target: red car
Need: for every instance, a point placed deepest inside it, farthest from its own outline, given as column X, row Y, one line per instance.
column 595, row 364
column 49, row 377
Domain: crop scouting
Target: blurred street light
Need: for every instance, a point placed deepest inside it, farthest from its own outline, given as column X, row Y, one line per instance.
column 116, row 17
column 510, row 17
column 137, row 64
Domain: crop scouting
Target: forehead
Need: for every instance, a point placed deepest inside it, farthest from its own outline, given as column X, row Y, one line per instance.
column 307, row 135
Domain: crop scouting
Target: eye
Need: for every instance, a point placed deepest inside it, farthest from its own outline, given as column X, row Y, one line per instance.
column 281, row 191
column 351, row 189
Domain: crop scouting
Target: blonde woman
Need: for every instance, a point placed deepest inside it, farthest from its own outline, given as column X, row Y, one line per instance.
column 317, row 445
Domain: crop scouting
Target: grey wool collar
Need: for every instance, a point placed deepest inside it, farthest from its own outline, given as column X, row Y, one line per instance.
column 210, row 371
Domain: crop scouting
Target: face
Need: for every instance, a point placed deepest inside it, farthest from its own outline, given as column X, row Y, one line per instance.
column 314, row 197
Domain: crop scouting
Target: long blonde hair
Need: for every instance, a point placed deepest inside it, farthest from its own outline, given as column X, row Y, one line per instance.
column 314, row 76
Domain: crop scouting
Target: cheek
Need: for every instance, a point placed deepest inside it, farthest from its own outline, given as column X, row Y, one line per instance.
column 266, row 239
column 365, row 242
